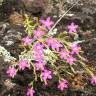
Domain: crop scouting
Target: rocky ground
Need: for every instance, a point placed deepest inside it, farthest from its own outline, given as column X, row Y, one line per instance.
column 11, row 18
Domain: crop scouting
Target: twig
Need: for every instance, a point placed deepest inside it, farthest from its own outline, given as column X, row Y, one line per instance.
column 62, row 16
column 84, row 92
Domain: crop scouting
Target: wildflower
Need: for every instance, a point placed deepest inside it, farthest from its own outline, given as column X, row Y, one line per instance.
column 30, row 92
column 38, row 47
column 46, row 74
column 70, row 60
column 50, row 41
column 47, row 23
column 72, row 27
column 63, row 85
column 23, row 64
column 93, row 80
column 40, row 65
column 75, row 48
column 38, row 56
column 11, row 71
column 55, row 44
column 64, row 54
column 38, row 33
column 27, row 41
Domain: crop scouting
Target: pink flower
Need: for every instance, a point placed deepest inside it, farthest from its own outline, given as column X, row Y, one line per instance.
column 72, row 27
column 70, row 60
column 38, row 56
column 64, row 54
column 75, row 48
column 23, row 64
column 27, row 41
column 47, row 23
column 55, row 44
column 11, row 71
column 46, row 74
column 93, row 80
column 63, row 85
column 30, row 92
column 38, row 47
column 40, row 65
column 38, row 33
column 50, row 41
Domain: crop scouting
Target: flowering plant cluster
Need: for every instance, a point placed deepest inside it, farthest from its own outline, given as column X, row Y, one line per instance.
column 48, row 55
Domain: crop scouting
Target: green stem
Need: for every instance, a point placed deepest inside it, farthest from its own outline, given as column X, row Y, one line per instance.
column 88, row 70
column 34, row 70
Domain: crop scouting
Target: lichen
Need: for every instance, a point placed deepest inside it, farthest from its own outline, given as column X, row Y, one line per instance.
column 6, row 55
column 1, row 2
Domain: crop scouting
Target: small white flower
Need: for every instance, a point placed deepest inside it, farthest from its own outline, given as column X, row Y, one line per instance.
column 53, row 32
